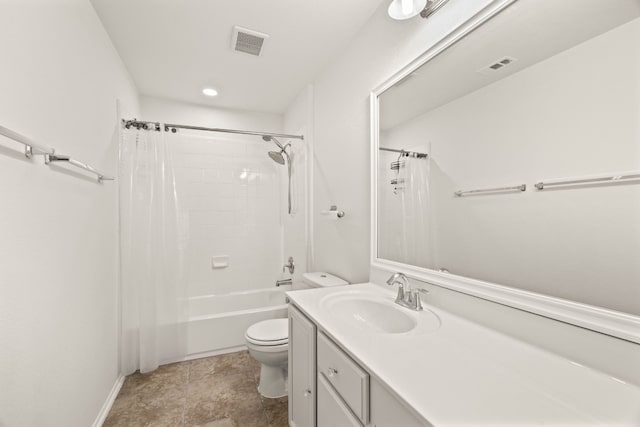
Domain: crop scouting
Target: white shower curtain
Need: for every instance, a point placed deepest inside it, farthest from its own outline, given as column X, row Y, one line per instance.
column 415, row 196
column 151, row 254
column 297, row 154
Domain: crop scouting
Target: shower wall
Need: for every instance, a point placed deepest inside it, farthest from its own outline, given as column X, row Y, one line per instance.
column 230, row 197
column 229, row 191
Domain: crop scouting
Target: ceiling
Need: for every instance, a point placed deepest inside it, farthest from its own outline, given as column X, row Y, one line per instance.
column 529, row 31
column 175, row 48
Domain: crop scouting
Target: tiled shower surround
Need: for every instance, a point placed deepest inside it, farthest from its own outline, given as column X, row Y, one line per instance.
column 229, row 195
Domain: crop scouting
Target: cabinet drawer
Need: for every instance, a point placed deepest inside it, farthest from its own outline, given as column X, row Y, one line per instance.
column 349, row 379
column 332, row 412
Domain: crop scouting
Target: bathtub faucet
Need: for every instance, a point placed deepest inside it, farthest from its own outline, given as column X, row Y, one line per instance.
column 284, row 282
column 290, row 265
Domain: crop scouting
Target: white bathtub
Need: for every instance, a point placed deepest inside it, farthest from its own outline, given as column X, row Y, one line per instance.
column 217, row 323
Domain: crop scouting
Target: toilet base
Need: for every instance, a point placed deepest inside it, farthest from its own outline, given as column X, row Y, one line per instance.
column 273, row 381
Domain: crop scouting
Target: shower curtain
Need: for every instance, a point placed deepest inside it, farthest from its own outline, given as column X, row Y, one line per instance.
column 151, row 254
column 415, row 200
column 298, row 158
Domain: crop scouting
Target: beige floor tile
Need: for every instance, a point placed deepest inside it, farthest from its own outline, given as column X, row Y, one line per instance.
column 225, row 364
column 136, row 412
column 231, row 396
column 225, row 422
column 276, row 411
column 218, row 391
column 167, row 378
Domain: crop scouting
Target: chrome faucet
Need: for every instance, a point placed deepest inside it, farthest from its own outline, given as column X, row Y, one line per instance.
column 284, row 282
column 290, row 265
column 407, row 297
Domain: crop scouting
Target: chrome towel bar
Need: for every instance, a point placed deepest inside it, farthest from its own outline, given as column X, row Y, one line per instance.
column 594, row 179
column 29, row 144
column 32, row 148
column 522, row 187
column 48, row 158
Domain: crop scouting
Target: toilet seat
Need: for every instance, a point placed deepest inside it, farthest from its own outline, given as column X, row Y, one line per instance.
column 271, row 332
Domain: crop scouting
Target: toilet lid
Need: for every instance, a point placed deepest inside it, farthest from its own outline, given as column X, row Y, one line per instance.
column 269, row 332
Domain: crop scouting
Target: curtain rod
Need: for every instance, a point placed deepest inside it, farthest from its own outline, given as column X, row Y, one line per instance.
column 409, row 153
column 138, row 124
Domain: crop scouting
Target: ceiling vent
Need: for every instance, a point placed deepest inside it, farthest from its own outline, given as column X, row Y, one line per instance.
column 500, row 64
column 247, row 41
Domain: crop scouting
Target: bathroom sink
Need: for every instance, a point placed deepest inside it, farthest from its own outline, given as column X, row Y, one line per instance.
column 376, row 313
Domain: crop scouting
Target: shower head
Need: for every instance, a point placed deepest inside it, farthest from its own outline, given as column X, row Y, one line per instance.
column 281, row 158
column 277, row 157
column 275, row 141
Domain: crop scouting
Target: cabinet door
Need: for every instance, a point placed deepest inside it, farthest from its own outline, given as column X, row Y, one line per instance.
column 302, row 370
column 332, row 411
column 348, row 379
column 388, row 411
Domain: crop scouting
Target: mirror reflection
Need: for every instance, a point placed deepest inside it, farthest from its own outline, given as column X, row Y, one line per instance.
column 525, row 99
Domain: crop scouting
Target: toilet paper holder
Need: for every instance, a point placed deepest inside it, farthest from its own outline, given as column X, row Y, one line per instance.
column 334, row 212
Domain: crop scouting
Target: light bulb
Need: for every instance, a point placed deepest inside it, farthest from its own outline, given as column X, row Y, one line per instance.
column 405, row 9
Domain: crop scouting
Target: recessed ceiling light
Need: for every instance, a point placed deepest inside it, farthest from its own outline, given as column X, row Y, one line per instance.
column 210, row 91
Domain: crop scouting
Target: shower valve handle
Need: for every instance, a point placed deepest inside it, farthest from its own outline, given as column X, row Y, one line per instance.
column 289, row 265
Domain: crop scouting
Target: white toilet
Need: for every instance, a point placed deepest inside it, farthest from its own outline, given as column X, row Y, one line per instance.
column 268, row 341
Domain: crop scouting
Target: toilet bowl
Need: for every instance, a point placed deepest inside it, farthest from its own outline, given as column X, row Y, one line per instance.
column 268, row 343
column 268, row 340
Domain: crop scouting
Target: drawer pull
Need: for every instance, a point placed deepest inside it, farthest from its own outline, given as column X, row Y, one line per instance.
column 307, row 392
column 333, row 372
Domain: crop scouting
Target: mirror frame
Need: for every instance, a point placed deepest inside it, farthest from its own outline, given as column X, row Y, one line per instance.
column 599, row 319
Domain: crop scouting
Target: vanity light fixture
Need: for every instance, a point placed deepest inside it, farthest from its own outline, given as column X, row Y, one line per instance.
column 210, row 91
column 406, row 9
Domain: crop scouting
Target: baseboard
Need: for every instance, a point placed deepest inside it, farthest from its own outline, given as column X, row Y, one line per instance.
column 209, row 354
column 102, row 415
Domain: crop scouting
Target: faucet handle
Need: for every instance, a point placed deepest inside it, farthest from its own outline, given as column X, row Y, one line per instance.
column 290, row 265
column 416, row 302
column 400, row 296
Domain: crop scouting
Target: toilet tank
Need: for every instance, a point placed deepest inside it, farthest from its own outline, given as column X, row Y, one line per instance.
column 318, row 279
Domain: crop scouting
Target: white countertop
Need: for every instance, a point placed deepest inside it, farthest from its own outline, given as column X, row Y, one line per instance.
column 463, row 374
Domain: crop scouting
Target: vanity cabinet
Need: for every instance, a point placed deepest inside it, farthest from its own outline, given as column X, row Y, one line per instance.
column 332, row 411
column 349, row 380
column 346, row 394
column 302, row 370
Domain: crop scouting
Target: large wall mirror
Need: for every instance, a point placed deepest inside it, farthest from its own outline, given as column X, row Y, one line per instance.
column 545, row 92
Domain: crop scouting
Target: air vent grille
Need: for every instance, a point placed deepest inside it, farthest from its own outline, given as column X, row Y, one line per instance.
column 497, row 65
column 247, row 41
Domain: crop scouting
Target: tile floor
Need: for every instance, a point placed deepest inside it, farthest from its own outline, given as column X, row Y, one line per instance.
column 219, row 391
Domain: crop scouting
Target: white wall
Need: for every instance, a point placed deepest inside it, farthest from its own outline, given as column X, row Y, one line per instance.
column 59, row 81
column 162, row 110
column 231, row 193
column 342, row 138
column 570, row 115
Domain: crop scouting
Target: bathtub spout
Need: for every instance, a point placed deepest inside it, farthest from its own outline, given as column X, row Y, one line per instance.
column 284, row 282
